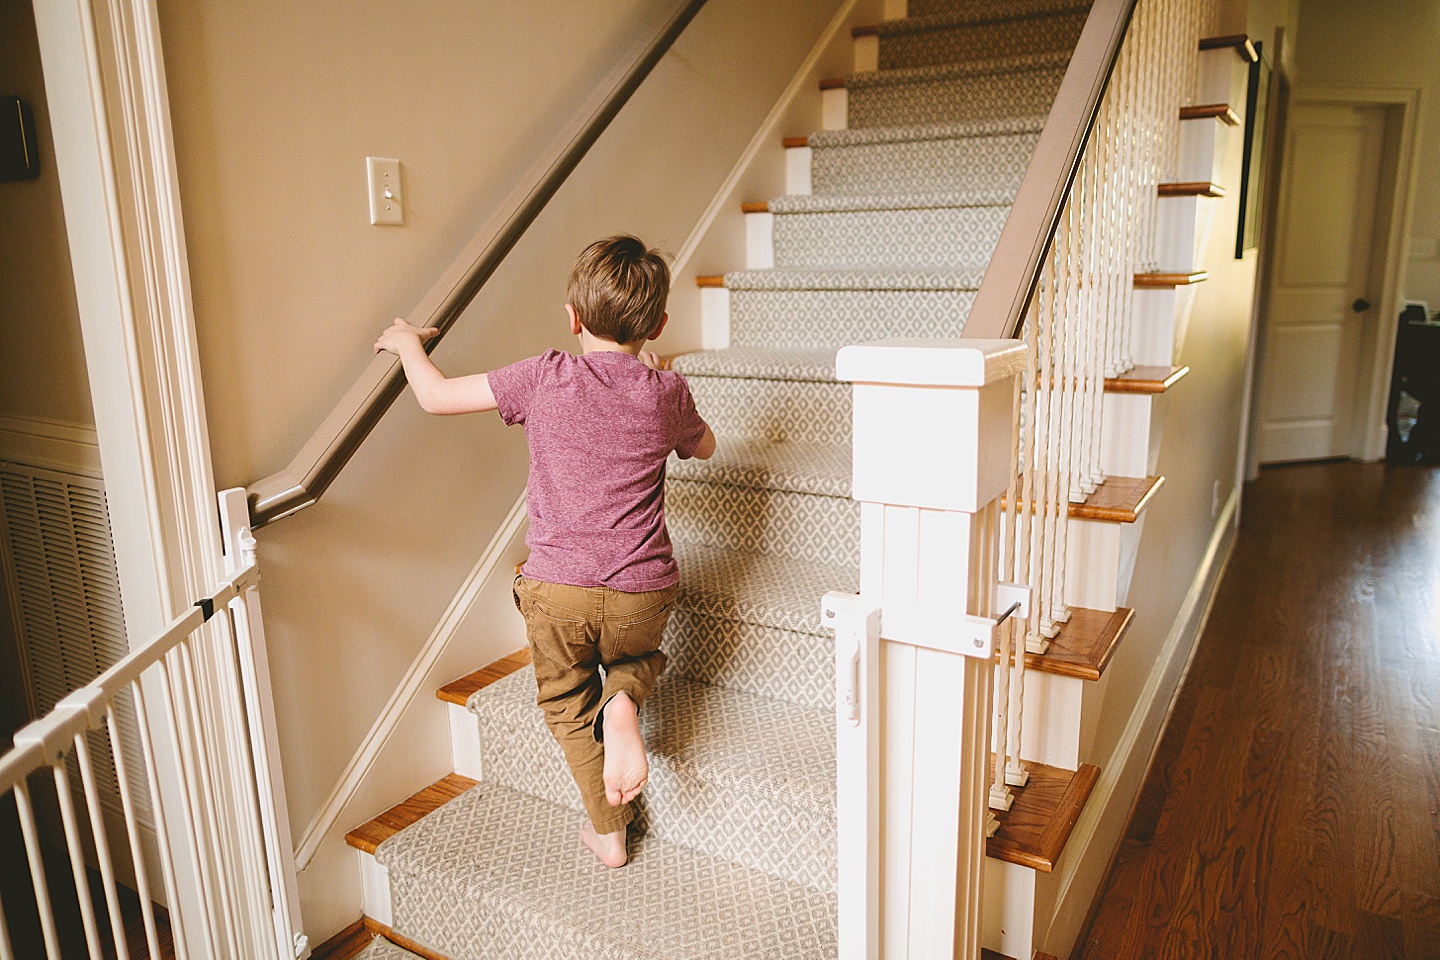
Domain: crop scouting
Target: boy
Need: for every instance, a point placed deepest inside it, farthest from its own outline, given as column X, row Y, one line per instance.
column 600, row 582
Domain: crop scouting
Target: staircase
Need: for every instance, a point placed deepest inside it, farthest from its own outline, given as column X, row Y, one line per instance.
column 889, row 223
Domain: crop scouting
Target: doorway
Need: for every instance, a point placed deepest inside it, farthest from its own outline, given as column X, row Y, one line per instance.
column 1331, row 304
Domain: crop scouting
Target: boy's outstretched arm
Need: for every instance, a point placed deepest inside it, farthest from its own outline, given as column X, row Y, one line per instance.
column 436, row 392
column 706, row 448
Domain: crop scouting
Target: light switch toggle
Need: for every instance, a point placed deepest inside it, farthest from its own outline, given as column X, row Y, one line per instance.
column 387, row 202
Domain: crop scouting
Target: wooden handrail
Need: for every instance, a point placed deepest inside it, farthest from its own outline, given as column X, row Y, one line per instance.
column 325, row 454
column 1014, row 270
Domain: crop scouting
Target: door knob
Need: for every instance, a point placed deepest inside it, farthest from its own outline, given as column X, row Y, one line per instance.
column 1360, row 305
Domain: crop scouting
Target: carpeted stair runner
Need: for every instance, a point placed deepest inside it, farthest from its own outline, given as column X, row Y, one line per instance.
column 830, row 308
column 1002, row 88
column 735, row 855
column 746, row 777
column 497, row 874
column 1014, row 29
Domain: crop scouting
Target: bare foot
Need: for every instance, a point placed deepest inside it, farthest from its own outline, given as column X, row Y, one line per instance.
column 626, row 766
column 609, row 847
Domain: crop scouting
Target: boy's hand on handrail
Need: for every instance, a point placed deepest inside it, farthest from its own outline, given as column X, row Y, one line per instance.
column 394, row 337
column 436, row 392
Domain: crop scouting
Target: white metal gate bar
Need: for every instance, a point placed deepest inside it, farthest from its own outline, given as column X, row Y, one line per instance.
column 248, row 909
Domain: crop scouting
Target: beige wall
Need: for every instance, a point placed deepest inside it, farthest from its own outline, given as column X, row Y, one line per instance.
column 42, row 365
column 274, row 112
column 1386, row 43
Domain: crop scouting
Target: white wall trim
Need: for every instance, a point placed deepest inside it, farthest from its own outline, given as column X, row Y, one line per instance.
column 114, row 150
column 765, row 136
column 50, row 444
column 1073, row 901
column 411, row 686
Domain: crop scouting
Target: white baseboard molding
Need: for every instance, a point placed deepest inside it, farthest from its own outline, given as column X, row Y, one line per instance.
column 413, row 684
column 1098, row 832
column 58, row 445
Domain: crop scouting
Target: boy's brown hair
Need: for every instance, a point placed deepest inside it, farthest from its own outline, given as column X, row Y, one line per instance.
column 618, row 288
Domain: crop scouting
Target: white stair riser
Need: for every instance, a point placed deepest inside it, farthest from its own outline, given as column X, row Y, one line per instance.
column 375, row 889
column 1222, row 78
column 797, row 171
column 1053, row 715
column 1092, row 564
column 1203, row 143
column 1008, row 909
column 1153, row 339
column 759, row 241
column 464, row 741
column 1183, row 229
column 867, row 54
column 834, row 108
column 1125, row 422
column 714, row 318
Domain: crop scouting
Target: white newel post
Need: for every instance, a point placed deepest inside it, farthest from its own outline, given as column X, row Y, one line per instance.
column 914, row 649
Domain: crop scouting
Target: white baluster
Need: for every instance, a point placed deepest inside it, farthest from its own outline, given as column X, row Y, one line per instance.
column 102, row 843
column 132, row 832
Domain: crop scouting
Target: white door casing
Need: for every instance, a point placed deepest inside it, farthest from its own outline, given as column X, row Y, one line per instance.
column 105, row 83
column 1324, row 265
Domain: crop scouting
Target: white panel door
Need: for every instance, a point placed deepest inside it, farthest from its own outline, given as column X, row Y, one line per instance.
column 1319, row 297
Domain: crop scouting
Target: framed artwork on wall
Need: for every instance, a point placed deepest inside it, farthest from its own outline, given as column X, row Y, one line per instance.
column 1257, row 101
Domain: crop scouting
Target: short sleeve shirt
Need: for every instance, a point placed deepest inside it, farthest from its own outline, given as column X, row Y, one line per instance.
column 600, row 427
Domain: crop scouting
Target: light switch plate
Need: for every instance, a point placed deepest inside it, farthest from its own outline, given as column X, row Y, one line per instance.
column 387, row 204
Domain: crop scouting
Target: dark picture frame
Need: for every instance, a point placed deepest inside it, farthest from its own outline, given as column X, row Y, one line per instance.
column 1252, row 180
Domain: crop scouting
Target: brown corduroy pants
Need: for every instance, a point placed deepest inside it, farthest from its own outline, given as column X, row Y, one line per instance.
column 574, row 633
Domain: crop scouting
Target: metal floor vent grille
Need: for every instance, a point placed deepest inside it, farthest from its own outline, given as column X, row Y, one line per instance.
column 60, row 561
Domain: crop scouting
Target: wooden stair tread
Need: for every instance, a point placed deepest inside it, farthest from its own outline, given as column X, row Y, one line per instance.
column 1148, row 380
column 1034, row 830
column 459, row 691
column 716, row 281
column 378, row 929
column 788, row 142
column 832, row 83
column 372, row 833
column 1118, row 499
column 1241, row 44
column 345, row 944
column 1151, row 281
column 1191, row 188
column 1086, row 642
column 1211, row 111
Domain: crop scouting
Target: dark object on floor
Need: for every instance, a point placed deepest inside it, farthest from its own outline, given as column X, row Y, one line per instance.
column 1414, row 412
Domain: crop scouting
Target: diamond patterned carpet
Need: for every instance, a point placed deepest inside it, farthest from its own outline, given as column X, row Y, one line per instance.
column 733, row 855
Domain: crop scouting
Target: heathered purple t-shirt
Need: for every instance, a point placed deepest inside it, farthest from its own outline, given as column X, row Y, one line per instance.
column 600, row 427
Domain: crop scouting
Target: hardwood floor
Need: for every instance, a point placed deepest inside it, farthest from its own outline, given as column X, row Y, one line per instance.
column 1293, row 808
